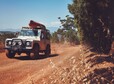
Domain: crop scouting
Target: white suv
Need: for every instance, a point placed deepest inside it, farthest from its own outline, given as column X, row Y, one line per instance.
column 29, row 41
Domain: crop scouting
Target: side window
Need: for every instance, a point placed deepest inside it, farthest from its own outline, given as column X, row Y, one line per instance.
column 35, row 32
column 42, row 35
column 45, row 35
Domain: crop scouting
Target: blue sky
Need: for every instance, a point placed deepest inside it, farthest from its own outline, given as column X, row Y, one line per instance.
column 17, row 13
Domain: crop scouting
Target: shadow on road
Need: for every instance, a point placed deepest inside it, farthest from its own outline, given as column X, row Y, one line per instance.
column 100, row 75
column 39, row 57
column 100, row 59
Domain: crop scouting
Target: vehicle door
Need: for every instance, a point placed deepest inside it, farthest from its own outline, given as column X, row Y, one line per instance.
column 43, row 40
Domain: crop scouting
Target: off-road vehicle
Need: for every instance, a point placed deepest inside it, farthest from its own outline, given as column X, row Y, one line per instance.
column 31, row 40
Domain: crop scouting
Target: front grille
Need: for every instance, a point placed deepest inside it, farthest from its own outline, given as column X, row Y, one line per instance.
column 17, row 44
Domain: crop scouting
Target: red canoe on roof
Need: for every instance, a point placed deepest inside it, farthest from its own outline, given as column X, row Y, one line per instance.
column 34, row 24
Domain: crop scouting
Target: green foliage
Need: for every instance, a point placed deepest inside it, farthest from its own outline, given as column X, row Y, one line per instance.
column 68, row 33
column 95, row 22
column 72, row 36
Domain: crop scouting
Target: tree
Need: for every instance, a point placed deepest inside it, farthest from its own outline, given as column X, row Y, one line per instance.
column 68, row 31
column 54, row 37
column 95, row 22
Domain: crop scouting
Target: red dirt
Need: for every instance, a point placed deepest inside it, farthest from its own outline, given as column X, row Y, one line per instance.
column 67, row 64
column 23, row 70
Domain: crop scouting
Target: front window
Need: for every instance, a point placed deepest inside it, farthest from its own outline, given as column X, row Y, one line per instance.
column 29, row 33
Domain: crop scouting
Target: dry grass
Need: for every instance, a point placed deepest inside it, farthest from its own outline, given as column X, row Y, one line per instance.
column 83, row 69
column 71, row 71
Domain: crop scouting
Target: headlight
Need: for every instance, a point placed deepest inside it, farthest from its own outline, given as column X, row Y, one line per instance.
column 28, row 43
column 20, row 43
column 8, row 42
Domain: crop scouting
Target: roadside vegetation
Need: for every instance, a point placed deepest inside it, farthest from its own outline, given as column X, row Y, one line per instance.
column 3, row 36
column 67, row 33
column 93, row 26
column 95, row 22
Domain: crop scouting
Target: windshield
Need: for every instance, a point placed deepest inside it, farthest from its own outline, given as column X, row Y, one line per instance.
column 29, row 33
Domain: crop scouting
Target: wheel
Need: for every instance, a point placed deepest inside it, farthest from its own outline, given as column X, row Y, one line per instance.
column 47, row 51
column 35, row 52
column 10, row 54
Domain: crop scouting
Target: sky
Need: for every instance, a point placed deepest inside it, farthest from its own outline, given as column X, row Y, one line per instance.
column 17, row 13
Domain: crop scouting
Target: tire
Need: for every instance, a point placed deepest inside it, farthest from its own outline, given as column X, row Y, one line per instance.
column 35, row 52
column 10, row 54
column 47, row 51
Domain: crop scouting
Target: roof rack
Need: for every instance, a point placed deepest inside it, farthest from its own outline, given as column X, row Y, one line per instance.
column 35, row 25
column 25, row 27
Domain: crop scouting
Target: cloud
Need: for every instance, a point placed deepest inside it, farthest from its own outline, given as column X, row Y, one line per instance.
column 55, row 24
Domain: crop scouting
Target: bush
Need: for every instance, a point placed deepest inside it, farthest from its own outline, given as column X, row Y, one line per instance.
column 4, row 36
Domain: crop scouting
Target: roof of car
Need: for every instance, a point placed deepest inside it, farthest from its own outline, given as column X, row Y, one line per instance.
column 28, row 28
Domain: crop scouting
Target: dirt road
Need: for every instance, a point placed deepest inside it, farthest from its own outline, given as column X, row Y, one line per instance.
column 22, row 70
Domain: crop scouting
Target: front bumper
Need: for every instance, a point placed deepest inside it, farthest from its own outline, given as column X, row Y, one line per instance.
column 16, row 49
column 18, row 45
